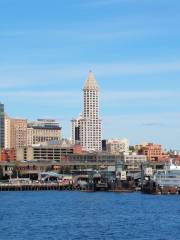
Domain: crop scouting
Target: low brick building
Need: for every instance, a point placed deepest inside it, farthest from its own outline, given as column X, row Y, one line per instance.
column 152, row 151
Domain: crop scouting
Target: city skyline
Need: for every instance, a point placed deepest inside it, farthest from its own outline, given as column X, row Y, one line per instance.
column 131, row 47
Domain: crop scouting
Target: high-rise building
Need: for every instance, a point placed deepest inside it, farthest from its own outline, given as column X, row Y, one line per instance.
column 76, row 130
column 18, row 136
column 1, row 126
column 20, row 133
column 7, row 127
column 87, row 128
column 43, row 130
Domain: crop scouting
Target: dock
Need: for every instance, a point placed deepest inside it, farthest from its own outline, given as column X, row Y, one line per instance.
column 35, row 187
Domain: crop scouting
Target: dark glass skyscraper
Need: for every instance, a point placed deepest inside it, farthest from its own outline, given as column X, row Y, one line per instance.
column 1, row 125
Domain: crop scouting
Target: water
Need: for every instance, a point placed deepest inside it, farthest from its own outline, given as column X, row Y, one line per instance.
column 78, row 215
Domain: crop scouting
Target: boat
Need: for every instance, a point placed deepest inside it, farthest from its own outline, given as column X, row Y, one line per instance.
column 165, row 181
column 169, row 176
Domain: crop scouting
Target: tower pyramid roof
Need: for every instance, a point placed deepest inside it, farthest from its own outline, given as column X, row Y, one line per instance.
column 90, row 82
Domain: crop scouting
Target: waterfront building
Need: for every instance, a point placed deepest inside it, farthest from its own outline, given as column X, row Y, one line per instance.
column 43, row 130
column 7, row 126
column 101, row 158
column 64, row 154
column 2, row 126
column 7, row 155
column 75, row 162
column 18, row 136
column 132, row 160
column 87, row 128
column 152, row 151
column 44, row 153
column 117, row 146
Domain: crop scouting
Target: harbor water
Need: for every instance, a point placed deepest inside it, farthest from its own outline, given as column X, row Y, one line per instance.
column 56, row 215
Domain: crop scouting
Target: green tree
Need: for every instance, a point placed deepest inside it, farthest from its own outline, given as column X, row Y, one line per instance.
column 132, row 148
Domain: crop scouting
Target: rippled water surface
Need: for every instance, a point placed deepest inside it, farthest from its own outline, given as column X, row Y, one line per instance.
column 78, row 215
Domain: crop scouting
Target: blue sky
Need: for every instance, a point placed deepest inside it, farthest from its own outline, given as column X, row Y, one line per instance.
column 132, row 46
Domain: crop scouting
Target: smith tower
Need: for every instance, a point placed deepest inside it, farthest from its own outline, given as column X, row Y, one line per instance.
column 88, row 125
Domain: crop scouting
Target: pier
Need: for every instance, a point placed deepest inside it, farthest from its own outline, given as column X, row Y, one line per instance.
column 94, row 186
column 35, row 187
column 57, row 187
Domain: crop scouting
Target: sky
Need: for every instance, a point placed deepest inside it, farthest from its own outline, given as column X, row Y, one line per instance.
column 47, row 48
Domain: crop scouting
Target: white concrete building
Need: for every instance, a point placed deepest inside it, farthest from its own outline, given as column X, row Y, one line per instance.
column 87, row 128
column 43, row 130
column 133, row 160
column 116, row 146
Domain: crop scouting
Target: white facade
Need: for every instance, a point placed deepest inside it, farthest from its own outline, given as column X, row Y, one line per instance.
column 43, row 130
column 30, row 136
column 133, row 157
column 89, row 124
column 116, row 146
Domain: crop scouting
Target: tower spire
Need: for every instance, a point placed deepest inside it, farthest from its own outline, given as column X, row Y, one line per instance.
column 90, row 82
